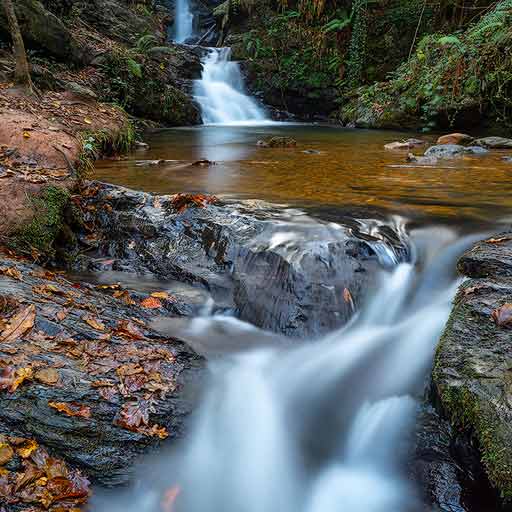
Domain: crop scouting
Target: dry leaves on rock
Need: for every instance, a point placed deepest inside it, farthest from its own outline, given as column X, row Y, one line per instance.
column 151, row 303
column 125, row 297
column 11, row 272
column 134, row 416
column 180, row 202
column 502, row 316
column 128, row 329
column 19, row 324
column 11, row 379
column 94, row 322
column 48, row 376
column 499, row 240
column 71, row 409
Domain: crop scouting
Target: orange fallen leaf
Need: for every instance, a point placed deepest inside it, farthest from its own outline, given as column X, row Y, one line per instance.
column 151, row 303
column 12, row 272
column 499, row 240
column 26, row 450
column 71, row 409
column 95, row 323
column 128, row 329
column 347, row 297
column 502, row 316
column 21, row 375
column 125, row 297
column 49, row 376
column 61, row 315
column 19, row 324
column 160, row 295
column 6, row 453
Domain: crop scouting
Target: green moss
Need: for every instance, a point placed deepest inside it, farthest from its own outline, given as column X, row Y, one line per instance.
column 40, row 234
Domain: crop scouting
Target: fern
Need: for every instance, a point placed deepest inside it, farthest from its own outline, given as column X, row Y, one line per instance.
column 134, row 68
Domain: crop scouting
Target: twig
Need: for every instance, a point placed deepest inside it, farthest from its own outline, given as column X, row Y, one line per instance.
column 417, row 29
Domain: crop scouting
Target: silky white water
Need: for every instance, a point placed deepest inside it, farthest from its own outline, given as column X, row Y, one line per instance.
column 312, row 425
column 220, row 92
column 184, row 21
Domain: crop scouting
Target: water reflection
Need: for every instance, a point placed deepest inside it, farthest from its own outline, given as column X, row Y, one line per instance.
column 346, row 167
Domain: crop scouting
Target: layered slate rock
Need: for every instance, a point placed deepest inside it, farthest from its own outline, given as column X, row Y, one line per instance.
column 81, row 372
column 473, row 365
column 299, row 277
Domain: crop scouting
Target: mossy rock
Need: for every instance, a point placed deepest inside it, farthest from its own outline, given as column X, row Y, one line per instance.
column 473, row 363
column 40, row 234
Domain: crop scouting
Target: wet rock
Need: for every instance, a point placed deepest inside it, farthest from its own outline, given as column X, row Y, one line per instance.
column 507, row 159
column 453, row 150
column 43, row 30
column 407, row 144
column 141, row 145
column 445, row 151
column 80, row 91
column 261, row 271
column 77, row 360
column 277, row 142
column 455, row 138
column 203, row 163
column 494, row 142
column 418, row 159
column 473, row 360
column 311, row 152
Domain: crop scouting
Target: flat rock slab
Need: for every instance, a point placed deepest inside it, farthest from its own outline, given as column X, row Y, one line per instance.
column 473, row 365
column 286, row 275
column 82, row 373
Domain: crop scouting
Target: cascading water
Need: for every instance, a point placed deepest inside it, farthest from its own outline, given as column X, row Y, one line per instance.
column 220, row 92
column 184, row 21
column 312, row 426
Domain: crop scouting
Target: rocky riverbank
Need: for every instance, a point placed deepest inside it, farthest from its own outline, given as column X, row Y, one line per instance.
column 472, row 366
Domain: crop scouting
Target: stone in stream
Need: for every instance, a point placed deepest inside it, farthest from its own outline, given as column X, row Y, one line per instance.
column 284, row 275
column 277, row 142
column 453, row 150
column 494, row 142
column 407, row 144
column 83, row 374
column 473, row 364
column 455, row 138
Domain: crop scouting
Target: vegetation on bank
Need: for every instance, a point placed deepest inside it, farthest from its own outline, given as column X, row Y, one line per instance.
column 379, row 63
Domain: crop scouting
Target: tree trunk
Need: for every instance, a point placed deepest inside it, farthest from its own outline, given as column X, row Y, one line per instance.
column 22, row 73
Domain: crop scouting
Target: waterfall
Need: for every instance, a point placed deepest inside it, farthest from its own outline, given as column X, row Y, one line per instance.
column 220, row 92
column 317, row 426
column 183, row 24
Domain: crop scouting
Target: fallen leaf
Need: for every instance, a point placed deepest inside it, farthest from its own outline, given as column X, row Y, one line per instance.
column 49, row 376
column 21, row 375
column 48, row 289
column 26, row 135
column 499, row 240
column 128, row 329
column 160, row 295
column 94, row 322
column 26, row 450
column 19, row 324
column 347, row 297
column 151, row 303
column 61, row 315
column 6, row 454
column 502, row 316
column 71, row 409
column 169, row 498
column 125, row 297
column 129, row 369
column 87, row 120
column 135, row 414
column 12, row 272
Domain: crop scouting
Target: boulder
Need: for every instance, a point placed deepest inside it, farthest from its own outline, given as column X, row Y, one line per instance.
column 473, row 363
column 407, row 144
column 494, row 142
column 455, row 138
column 42, row 30
column 260, row 271
column 81, row 363
column 453, row 151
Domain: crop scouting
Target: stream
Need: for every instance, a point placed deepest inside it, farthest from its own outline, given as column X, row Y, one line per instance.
column 324, row 423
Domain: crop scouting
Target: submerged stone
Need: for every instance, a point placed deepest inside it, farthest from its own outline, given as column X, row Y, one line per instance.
column 494, row 142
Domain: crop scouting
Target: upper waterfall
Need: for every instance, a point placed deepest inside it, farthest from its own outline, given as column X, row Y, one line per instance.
column 184, row 21
column 220, row 92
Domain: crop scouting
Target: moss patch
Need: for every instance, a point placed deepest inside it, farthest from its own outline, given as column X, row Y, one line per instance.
column 40, row 234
